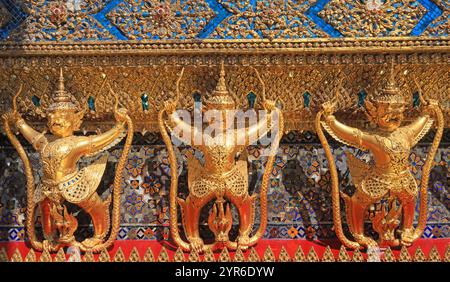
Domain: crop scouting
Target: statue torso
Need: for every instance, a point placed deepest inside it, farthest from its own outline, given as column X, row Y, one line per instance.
column 55, row 157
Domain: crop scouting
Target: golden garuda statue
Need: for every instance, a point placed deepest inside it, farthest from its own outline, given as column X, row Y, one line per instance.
column 62, row 180
column 223, row 175
column 387, row 178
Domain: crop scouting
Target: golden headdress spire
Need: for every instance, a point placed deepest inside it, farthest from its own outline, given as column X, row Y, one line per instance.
column 390, row 93
column 220, row 98
column 62, row 100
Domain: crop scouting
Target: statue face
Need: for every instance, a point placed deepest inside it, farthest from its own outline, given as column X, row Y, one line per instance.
column 390, row 116
column 62, row 123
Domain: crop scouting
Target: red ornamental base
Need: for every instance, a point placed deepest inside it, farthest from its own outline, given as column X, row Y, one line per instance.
column 265, row 250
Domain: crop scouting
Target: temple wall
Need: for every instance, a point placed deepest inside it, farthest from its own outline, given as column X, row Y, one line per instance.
column 301, row 48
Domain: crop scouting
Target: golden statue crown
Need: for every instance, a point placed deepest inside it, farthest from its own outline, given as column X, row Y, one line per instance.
column 220, row 98
column 390, row 93
column 62, row 99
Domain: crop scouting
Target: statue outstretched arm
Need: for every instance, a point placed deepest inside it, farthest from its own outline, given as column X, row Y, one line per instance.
column 94, row 144
column 346, row 134
column 419, row 128
column 176, row 124
column 37, row 139
column 260, row 129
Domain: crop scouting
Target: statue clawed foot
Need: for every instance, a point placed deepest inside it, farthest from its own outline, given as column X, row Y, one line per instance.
column 407, row 237
column 89, row 243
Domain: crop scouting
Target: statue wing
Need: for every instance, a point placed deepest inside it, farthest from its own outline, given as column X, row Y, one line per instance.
column 358, row 169
column 195, row 168
column 331, row 132
column 112, row 144
column 82, row 185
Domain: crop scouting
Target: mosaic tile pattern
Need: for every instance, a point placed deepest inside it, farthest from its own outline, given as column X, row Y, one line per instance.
column 111, row 20
column 300, row 206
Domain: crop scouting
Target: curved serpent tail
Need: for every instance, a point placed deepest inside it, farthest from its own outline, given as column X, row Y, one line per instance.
column 30, row 186
column 174, row 231
column 426, row 174
column 116, row 190
column 265, row 183
column 335, row 187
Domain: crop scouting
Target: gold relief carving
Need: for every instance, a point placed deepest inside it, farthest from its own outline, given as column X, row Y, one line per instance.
column 222, row 178
column 62, row 179
column 312, row 256
column 253, row 256
column 389, row 255
column 162, row 19
column 269, row 19
column 239, row 256
column 149, row 256
column 119, row 256
column 404, row 255
column 269, row 255
column 388, row 177
column 373, row 17
column 193, row 256
column 163, row 255
column 419, row 256
column 287, row 78
column 104, row 256
column 343, row 255
column 299, row 255
column 134, row 255
column 283, row 256
column 328, row 255
column 17, row 256
column 3, row 255
column 5, row 16
column 434, row 255
column 31, row 256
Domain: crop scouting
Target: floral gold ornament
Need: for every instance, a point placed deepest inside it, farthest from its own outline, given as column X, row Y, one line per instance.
column 221, row 177
column 389, row 176
column 63, row 181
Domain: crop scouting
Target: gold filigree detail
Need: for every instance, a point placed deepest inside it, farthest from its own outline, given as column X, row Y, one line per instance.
column 88, row 256
column 104, row 256
column 148, row 256
column 389, row 255
column 239, row 256
column 343, row 255
column 193, row 256
column 163, row 255
column 312, row 256
column 404, row 255
column 253, row 256
column 31, row 256
column 299, row 256
column 179, row 256
column 16, row 256
column 134, row 255
column 419, row 256
column 269, row 255
column 328, row 255
column 283, row 256
column 357, row 256
column 60, row 256
column 209, row 256
column 433, row 255
column 224, row 256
